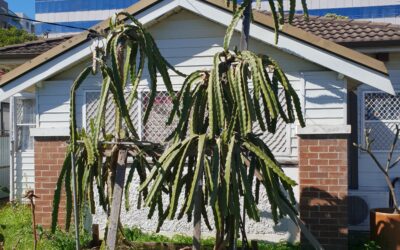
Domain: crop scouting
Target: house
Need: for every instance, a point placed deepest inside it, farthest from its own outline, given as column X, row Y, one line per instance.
column 11, row 57
column 344, row 72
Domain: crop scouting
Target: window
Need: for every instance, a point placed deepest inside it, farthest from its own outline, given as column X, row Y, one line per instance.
column 25, row 118
column 380, row 114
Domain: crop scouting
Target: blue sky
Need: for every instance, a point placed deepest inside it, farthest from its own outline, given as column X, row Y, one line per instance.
column 25, row 6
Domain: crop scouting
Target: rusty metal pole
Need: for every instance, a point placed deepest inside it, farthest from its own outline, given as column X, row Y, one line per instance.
column 30, row 195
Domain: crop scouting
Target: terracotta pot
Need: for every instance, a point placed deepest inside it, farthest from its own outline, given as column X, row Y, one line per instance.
column 385, row 228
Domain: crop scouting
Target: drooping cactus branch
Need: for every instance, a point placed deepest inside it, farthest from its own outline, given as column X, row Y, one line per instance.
column 384, row 168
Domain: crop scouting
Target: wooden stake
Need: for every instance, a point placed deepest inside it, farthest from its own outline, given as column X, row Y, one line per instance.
column 117, row 199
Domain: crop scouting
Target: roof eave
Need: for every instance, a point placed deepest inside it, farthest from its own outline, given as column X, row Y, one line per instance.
column 370, row 65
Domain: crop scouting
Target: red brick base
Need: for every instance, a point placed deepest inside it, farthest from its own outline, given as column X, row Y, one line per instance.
column 323, row 184
column 49, row 157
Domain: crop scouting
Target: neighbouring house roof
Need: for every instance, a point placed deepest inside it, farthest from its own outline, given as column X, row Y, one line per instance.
column 348, row 32
column 31, row 49
column 264, row 20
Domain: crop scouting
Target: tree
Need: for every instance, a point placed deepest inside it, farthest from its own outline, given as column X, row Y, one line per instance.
column 13, row 35
column 216, row 111
column 215, row 137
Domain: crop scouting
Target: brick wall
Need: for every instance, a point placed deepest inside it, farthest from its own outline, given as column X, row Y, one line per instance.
column 323, row 188
column 49, row 157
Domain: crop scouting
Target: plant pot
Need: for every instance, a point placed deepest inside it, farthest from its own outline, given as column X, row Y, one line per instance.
column 385, row 228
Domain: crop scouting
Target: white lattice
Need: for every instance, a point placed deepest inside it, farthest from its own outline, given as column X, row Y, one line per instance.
column 279, row 142
column 381, row 106
column 92, row 104
column 381, row 114
column 156, row 130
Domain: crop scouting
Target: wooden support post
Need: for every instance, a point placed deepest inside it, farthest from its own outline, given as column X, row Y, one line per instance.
column 117, row 199
column 197, row 212
column 95, row 235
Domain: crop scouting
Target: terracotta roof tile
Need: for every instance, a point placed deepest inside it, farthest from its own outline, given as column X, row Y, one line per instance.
column 32, row 48
column 348, row 30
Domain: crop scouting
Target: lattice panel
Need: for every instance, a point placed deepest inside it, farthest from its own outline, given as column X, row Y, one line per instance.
column 25, row 111
column 380, row 106
column 279, row 142
column 383, row 134
column 156, row 129
column 381, row 114
column 92, row 104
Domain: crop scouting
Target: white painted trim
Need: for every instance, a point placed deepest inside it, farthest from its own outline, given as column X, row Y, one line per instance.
column 49, row 132
column 37, row 108
column 46, row 70
column 324, row 130
column 12, row 148
column 303, row 93
column 345, row 102
column 140, row 110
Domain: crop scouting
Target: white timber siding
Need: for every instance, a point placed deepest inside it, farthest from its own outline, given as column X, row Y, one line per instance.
column 325, row 99
column 189, row 42
column 24, row 173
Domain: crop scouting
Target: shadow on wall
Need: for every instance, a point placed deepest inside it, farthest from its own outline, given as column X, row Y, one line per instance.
column 326, row 217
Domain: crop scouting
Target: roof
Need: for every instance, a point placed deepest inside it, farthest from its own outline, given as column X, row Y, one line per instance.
column 31, row 49
column 262, row 19
column 349, row 32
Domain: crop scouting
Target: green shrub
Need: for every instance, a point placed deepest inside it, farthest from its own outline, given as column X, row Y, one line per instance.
column 14, row 36
column 16, row 231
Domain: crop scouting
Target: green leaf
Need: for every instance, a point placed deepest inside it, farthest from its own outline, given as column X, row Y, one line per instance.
column 231, row 28
column 134, row 166
column 77, row 83
column 57, row 192
column 174, row 193
column 259, row 152
column 197, row 172
column 228, row 167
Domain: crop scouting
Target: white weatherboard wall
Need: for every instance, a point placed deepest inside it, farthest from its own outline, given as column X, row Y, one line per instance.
column 325, row 99
column 189, row 42
column 24, row 173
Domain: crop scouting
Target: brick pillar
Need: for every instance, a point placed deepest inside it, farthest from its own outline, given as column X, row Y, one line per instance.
column 49, row 158
column 323, row 168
